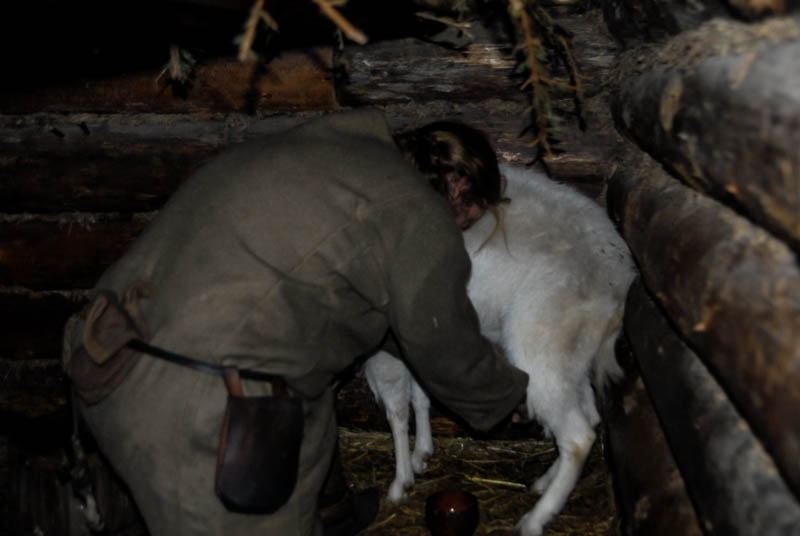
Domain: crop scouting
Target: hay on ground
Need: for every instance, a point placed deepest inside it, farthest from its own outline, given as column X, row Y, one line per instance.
column 498, row 472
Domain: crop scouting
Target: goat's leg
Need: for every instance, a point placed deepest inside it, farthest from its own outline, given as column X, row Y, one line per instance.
column 423, row 442
column 389, row 380
column 404, row 475
column 588, row 404
column 544, row 481
column 589, row 409
column 574, row 439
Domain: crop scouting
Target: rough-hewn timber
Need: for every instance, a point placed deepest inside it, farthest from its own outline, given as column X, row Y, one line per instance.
column 734, row 484
column 293, row 81
column 732, row 289
column 50, row 253
column 728, row 124
column 651, row 493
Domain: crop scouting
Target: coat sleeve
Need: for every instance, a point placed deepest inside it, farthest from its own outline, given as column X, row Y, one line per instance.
column 436, row 325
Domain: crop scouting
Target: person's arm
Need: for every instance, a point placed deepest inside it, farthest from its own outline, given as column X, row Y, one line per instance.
column 436, row 326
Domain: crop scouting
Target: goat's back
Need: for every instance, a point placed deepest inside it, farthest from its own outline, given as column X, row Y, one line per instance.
column 555, row 264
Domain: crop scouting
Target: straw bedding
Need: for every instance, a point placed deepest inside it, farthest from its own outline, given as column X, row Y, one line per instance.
column 498, row 472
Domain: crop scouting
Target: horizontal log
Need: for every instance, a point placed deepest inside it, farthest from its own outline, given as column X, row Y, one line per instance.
column 32, row 389
column 757, row 9
column 727, row 123
column 413, row 70
column 476, row 84
column 732, row 290
column 291, row 81
column 650, row 491
column 118, row 163
column 733, row 483
column 33, row 323
column 463, row 68
column 124, row 175
column 633, row 21
column 111, row 163
column 63, row 252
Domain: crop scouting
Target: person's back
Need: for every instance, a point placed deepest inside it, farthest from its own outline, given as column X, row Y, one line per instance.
column 262, row 249
column 289, row 255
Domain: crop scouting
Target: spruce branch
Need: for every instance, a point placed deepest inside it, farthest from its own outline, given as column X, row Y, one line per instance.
column 245, row 40
column 352, row 33
column 542, row 42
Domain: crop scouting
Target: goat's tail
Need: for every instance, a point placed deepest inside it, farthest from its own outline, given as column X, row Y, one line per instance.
column 605, row 367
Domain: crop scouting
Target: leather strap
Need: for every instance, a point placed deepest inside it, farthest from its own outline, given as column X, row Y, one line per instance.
column 233, row 381
column 278, row 387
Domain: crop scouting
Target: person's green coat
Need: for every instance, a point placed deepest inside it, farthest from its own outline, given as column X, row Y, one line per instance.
column 291, row 254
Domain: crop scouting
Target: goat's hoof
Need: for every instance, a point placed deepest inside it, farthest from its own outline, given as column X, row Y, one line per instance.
column 527, row 526
column 540, row 485
column 398, row 492
column 420, row 463
column 395, row 498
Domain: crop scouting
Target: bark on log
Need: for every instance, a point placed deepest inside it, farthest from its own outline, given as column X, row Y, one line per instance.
column 33, row 323
column 48, row 163
column 32, row 389
column 293, row 81
column 412, row 70
column 651, row 493
column 727, row 124
column 733, row 483
column 733, row 291
column 416, row 82
column 632, row 21
column 647, row 21
column 56, row 253
column 467, row 69
column 124, row 175
column 110, row 163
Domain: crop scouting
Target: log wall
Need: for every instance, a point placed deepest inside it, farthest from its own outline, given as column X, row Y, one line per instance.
column 707, row 198
column 691, row 128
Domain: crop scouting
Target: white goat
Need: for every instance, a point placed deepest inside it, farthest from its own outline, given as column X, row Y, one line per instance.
column 550, row 290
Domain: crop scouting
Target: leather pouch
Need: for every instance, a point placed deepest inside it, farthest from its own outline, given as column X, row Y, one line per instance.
column 259, row 448
column 102, row 361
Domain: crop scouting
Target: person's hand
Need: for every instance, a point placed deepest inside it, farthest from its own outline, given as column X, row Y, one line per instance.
column 520, row 414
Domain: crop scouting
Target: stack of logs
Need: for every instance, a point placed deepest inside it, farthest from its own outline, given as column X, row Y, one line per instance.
column 714, row 225
column 692, row 137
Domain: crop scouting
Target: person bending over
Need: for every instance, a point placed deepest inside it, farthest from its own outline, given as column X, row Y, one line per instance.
column 286, row 258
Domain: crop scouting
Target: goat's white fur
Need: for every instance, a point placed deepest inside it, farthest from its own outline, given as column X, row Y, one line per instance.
column 549, row 289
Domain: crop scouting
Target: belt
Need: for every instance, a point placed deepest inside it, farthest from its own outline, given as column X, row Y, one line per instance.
column 195, row 364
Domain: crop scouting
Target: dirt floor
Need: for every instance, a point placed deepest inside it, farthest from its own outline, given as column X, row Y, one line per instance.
column 498, row 472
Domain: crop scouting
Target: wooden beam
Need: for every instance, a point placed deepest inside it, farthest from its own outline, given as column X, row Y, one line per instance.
column 56, row 253
column 635, row 21
column 292, row 81
column 733, row 291
column 412, row 70
column 650, row 491
column 416, row 81
column 33, row 323
column 725, row 122
column 97, row 175
column 112, row 163
column 733, row 483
